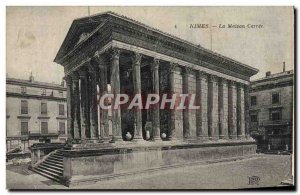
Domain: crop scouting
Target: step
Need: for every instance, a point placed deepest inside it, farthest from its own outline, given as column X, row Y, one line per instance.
column 58, row 176
column 53, row 164
column 46, row 175
column 55, row 158
column 59, row 168
column 57, row 155
column 54, row 170
column 54, row 161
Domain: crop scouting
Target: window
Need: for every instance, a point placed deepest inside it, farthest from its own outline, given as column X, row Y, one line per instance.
column 24, row 128
column 253, row 118
column 24, row 107
column 275, row 98
column 43, row 91
column 44, row 127
column 60, row 93
column 253, row 100
column 23, row 90
column 61, row 109
column 44, row 108
column 62, row 128
column 275, row 114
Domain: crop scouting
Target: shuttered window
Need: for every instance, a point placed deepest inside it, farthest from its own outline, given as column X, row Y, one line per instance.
column 61, row 108
column 43, row 108
column 24, row 128
column 24, row 107
column 44, row 127
column 62, row 128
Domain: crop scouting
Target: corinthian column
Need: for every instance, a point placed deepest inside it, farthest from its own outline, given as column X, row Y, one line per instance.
column 185, row 90
column 247, row 117
column 221, row 108
column 136, row 67
column 155, row 84
column 213, row 115
column 93, row 102
column 70, row 114
column 76, row 105
column 84, row 102
column 172, row 91
column 102, row 63
column 115, row 89
column 232, row 110
column 199, row 130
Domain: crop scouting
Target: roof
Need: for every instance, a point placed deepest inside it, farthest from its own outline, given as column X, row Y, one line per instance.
column 91, row 23
column 274, row 76
column 23, row 82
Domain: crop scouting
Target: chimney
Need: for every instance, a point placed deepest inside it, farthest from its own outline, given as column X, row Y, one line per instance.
column 283, row 67
column 268, row 73
column 31, row 78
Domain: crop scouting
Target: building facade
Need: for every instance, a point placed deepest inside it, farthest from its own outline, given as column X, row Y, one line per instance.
column 137, row 59
column 35, row 112
column 271, row 110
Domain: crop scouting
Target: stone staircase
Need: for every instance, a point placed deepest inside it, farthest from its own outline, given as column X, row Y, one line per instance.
column 51, row 166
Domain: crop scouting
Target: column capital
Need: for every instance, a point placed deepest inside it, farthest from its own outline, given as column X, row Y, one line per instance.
column 231, row 83
column 68, row 79
column 101, row 60
column 136, row 58
column 187, row 70
column 155, row 63
column 115, row 52
column 200, row 74
column 75, row 76
column 222, row 80
column 82, row 72
column 213, row 78
column 173, row 66
column 239, row 85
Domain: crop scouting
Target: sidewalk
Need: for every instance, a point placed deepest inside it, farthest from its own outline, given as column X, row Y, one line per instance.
column 270, row 169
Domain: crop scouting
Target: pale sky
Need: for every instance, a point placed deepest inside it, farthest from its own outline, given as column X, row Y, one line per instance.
column 35, row 34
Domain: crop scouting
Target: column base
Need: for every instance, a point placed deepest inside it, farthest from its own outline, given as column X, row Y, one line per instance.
column 116, row 139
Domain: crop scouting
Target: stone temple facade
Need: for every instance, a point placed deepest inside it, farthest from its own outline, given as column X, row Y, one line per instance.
column 130, row 57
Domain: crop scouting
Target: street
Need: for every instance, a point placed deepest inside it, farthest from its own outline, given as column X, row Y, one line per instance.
column 269, row 169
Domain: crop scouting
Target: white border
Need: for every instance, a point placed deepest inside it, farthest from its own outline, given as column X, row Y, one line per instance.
column 4, row 3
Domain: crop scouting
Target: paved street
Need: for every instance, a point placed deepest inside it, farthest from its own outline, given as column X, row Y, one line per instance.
column 271, row 169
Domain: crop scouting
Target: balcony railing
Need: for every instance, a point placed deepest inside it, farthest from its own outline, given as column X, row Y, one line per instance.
column 277, row 122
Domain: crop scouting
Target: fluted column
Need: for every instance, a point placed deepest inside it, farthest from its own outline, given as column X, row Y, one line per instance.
column 239, row 111
column 185, row 90
column 83, row 102
column 199, row 130
column 172, row 91
column 247, row 115
column 104, row 127
column 93, row 102
column 213, row 107
column 115, row 89
column 76, row 106
column 70, row 114
column 221, row 108
column 232, row 131
column 136, row 67
column 155, row 115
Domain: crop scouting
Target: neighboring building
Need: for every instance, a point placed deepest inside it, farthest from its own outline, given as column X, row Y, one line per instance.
column 35, row 112
column 271, row 110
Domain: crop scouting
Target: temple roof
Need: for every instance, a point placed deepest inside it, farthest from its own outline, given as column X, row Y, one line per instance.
column 84, row 27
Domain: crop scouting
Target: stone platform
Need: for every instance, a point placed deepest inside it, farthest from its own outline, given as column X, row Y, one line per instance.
column 97, row 161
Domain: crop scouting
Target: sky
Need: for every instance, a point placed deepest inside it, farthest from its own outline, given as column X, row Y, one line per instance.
column 35, row 34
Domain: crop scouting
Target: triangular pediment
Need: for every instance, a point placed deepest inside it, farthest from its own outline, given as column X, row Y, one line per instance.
column 79, row 30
